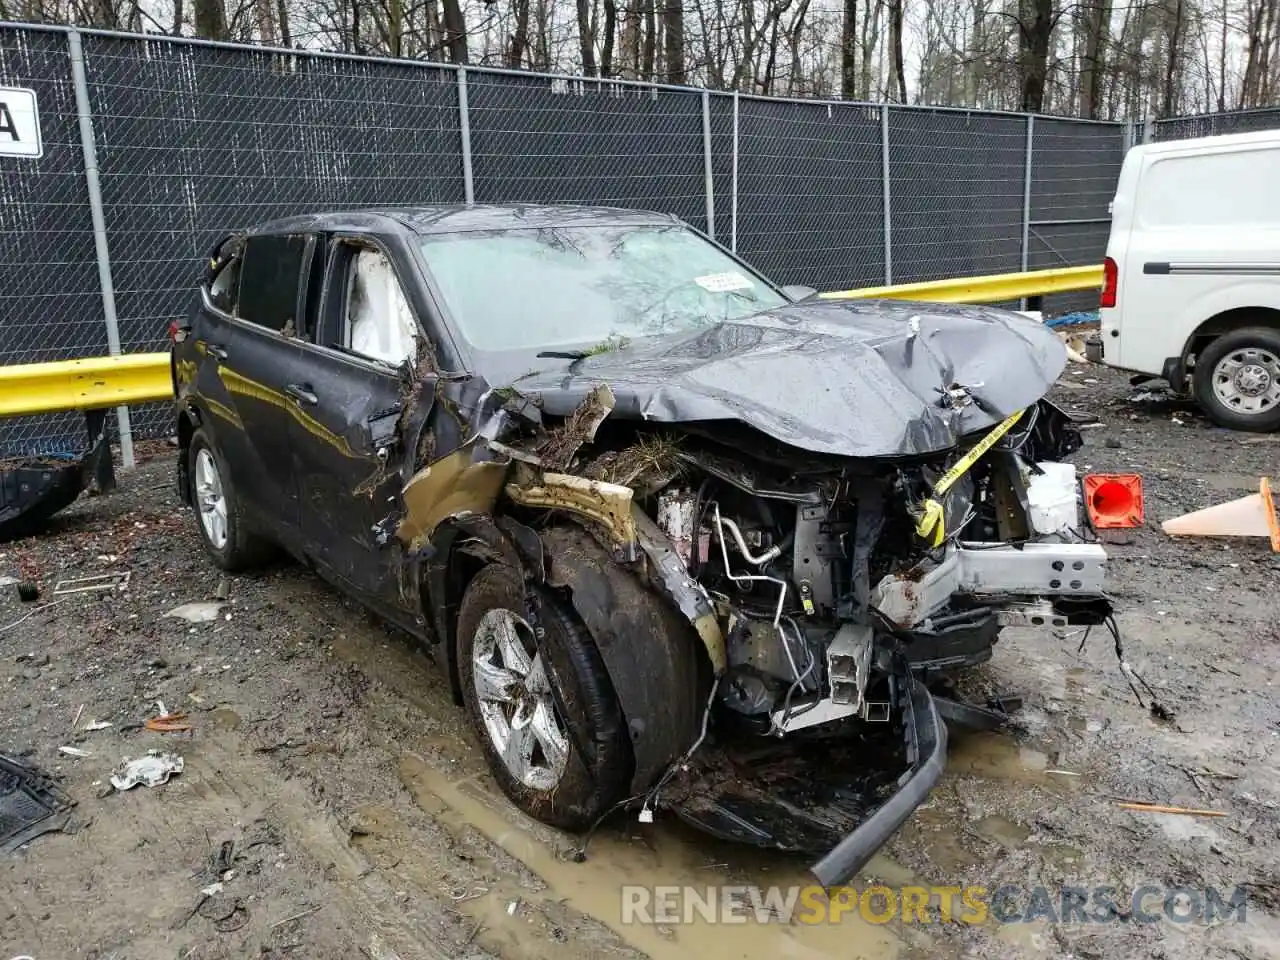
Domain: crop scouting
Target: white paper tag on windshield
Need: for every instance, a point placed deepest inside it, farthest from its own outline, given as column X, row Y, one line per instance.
column 723, row 282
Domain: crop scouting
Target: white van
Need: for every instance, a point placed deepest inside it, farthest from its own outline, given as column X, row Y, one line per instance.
column 1192, row 281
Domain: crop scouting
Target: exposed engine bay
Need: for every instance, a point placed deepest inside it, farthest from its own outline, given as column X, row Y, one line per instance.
column 818, row 578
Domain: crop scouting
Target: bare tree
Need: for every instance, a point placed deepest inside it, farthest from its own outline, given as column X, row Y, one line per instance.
column 673, row 40
column 211, row 19
column 897, row 72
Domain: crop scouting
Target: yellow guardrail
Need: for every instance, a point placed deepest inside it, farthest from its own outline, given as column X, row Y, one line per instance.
column 996, row 288
column 97, row 382
column 87, row 384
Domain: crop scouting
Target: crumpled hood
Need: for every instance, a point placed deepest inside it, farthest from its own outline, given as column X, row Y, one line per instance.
column 850, row 378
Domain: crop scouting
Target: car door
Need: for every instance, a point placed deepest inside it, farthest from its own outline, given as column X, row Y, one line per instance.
column 250, row 357
column 360, row 344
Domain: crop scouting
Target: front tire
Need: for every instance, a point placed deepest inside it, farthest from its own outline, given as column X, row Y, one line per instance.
column 1237, row 379
column 541, row 701
column 219, row 517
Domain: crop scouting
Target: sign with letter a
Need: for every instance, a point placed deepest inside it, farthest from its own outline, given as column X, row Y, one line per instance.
column 19, row 123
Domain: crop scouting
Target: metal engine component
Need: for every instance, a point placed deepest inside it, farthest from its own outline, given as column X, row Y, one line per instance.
column 1040, row 614
column 676, row 519
column 811, row 560
column 995, row 571
column 849, row 664
column 766, row 649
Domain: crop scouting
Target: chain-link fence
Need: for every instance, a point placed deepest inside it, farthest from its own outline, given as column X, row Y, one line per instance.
column 194, row 139
column 1214, row 124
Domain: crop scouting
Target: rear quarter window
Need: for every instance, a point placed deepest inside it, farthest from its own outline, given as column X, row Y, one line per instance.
column 270, row 271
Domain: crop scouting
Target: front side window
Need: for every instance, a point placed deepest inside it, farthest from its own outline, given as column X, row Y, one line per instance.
column 379, row 321
column 271, row 267
column 536, row 288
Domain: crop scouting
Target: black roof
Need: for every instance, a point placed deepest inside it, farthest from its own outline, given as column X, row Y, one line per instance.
column 431, row 220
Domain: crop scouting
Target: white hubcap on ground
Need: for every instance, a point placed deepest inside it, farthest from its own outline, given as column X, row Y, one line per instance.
column 210, row 500
column 1248, row 380
column 515, row 700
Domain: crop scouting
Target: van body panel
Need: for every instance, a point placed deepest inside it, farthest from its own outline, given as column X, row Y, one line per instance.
column 1195, row 232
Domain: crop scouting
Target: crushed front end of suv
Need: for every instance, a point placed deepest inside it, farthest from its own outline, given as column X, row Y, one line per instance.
column 682, row 540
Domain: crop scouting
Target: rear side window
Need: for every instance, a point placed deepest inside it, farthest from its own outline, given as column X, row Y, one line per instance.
column 270, row 270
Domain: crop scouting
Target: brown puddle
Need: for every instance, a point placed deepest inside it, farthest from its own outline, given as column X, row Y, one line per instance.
column 593, row 888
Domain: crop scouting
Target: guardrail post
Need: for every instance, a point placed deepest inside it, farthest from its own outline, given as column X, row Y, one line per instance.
column 464, row 133
column 707, row 175
column 886, row 194
column 1026, row 201
column 733, row 196
column 102, row 251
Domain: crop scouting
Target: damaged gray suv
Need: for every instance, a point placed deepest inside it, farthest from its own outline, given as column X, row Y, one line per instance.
column 682, row 539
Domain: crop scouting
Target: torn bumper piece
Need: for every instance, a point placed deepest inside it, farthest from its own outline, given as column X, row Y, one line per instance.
column 836, row 796
column 926, row 757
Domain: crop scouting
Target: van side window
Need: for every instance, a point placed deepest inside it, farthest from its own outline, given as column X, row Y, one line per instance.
column 270, row 271
column 379, row 322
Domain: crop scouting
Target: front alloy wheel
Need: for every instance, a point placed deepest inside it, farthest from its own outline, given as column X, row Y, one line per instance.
column 540, row 699
column 514, row 696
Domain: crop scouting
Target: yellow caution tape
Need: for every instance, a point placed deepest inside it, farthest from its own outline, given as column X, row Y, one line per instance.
column 930, row 522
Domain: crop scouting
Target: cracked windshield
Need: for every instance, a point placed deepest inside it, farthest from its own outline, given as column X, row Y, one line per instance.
column 588, row 285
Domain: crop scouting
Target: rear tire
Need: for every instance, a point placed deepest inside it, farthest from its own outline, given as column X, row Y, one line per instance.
column 537, row 692
column 1237, row 379
column 219, row 517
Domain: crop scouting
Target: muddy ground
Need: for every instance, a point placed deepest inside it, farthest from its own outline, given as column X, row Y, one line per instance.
column 326, row 749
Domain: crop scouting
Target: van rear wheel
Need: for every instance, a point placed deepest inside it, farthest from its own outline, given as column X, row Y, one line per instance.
column 1237, row 379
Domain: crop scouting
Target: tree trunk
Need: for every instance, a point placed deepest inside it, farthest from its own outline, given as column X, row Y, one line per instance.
column 211, row 20
column 1035, row 28
column 455, row 31
column 1168, row 99
column 673, row 40
column 519, row 44
column 849, row 51
column 610, row 28
column 177, row 18
column 282, row 21
column 650, row 49
column 897, row 73
column 586, row 39
column 1096, row 16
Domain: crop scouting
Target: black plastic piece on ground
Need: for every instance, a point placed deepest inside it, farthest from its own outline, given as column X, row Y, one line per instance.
column 30, row 805
column 28, row 592
column 970, row 715
column 927, row 754
column 32, row 491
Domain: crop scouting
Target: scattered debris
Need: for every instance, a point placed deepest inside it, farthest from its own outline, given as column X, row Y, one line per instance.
column 297, row 916
column 102, row 581
column 201, row 611
column 96, row 725
column 7, row 581
column 75, row 752
column 1157, row 808
column 30, row 805
column 152, row 770
column 224, row 589
column 168, row 723
column 39, row 609
column 28, row 592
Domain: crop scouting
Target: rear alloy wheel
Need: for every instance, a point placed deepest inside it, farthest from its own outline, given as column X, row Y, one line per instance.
column 540, row 699
column 1237, row 379
column 223, row 531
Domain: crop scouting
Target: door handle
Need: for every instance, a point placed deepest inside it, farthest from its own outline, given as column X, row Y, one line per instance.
column 216, row 350
column 301, row 392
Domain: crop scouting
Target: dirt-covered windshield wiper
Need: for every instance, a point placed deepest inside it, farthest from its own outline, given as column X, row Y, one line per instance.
column 566, row 354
